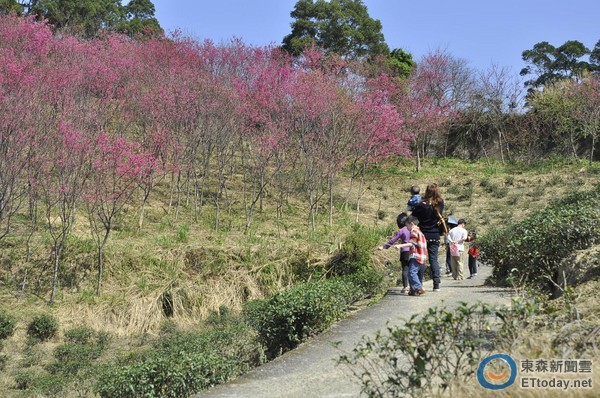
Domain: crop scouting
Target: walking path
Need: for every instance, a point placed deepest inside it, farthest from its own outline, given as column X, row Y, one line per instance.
column 310, row 370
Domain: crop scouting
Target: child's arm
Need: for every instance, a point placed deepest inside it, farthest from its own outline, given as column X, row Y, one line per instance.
column 391, row 241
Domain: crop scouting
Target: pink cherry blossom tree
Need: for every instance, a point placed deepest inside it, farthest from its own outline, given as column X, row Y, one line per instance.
column 117, row 168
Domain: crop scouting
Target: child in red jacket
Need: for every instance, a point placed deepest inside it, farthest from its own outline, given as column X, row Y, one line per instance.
column 473, row 254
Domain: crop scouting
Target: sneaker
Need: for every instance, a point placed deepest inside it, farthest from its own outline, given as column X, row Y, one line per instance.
column 420, row 292
column 437, row 289
column 405, row 290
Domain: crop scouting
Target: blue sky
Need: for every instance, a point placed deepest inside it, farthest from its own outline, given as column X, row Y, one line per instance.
column 483, row 32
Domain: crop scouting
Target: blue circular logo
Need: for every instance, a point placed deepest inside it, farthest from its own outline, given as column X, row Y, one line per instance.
column 497, row 372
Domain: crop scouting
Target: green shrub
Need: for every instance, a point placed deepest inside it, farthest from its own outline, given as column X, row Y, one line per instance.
column 485, row 182
column 555, row 180
column 462, row 192
column 354, row 255
column 183, row 363
column 43, row 327
column 7, row 325
column 537, row 192
column 288, row 318
column 369, row 282
column 3, row 360
column 498, row 191
column 513, row 200
column 80, row 335
column 428, row 353
column 531, row 250
column 83, row 346
column 453, row 189
column 306, row 268
column 40, row 384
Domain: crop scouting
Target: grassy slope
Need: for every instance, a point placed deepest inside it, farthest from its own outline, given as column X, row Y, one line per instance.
column 202, row 269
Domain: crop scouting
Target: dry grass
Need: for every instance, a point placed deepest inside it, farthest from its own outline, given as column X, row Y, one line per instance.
column 141, row 266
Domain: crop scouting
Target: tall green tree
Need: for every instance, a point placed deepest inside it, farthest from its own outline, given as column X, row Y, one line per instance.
column 549, row 64
column 88, row 18
column 595, row 58
column 8, row 6
column 83, row 17
column 139, row 18
column 343, row 27
column 401, row 62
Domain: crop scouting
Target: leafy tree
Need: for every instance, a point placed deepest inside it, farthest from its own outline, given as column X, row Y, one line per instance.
column 88, row 17
column 140, row 18
column 8, row 6
column 595, row 58
column 557, row 106
column 549, row 63
column 85, row 17
column 343, row 27
column 401, row 62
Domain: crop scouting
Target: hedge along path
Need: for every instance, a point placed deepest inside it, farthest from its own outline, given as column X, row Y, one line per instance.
column 310, row 370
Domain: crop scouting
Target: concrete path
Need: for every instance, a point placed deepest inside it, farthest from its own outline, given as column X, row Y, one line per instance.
column 310, row 370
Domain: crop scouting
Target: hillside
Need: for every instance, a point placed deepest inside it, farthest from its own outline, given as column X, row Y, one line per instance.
column 178, row 271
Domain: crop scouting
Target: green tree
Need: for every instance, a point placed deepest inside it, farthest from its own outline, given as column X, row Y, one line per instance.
column 557, row 107
column 8, row 6
column 84, row 17
column 343, row 27
column 140, row 19
column 549, row 64
column 595, row 58
column 89, row 17
column 401, row 62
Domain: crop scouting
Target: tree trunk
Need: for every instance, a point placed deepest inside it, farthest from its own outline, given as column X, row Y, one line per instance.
column 101, row 260
column 360, row 185
column 143, row 207
column 58, row 247
column 331, row 177
column 178, row 196
column 500, row 146
column 592, row 150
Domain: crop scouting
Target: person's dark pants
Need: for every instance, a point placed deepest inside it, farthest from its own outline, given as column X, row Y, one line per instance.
column 448, row 260
column 404, row 262
column 472, row 265
column 433, row 247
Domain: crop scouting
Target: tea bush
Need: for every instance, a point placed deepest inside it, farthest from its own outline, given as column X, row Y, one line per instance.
column 40, row 384
column 43, row 327
column 3, row 360
column 532, row 250
column 290, row 317
column 83, row 346
column 426, row 355
column 183, row 363
column 7, row 325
